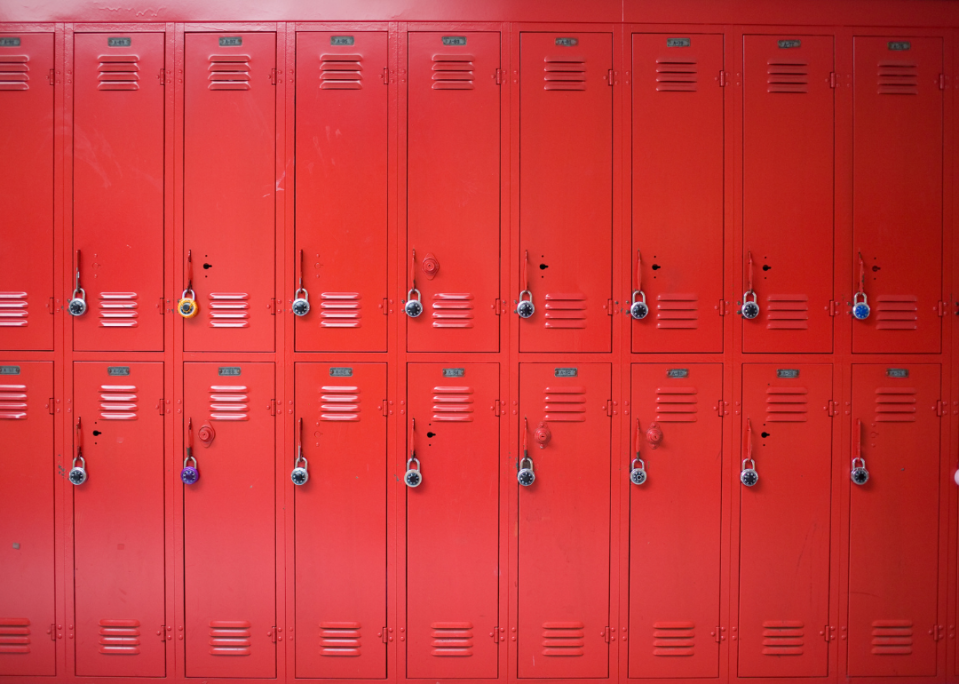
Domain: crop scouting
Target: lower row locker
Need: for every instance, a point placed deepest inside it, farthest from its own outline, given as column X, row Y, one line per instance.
column 564, row 521
column 27, row 612
column 784, row 520
column 229, row 536
column 894, row 521
column 674, row 468
column 452, row 541
column 340, row 520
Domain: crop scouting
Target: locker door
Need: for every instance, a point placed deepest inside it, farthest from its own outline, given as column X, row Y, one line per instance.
column 897, row 198
column 566, row 221
column 341, row 189
column 454, row 190
column 26, row 203
column 784, row 521
column 894, row 521
column 564, row 522
column 27, row 613
column 341, row 521
column 788, row 122
column 452, row 554
column 228, row 521
column 674, row 533
column 229, row 189
column 678, row 154
column 118, row 190
column 118, row 520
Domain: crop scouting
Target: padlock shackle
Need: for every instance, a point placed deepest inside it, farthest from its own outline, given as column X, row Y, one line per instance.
column 189, row 458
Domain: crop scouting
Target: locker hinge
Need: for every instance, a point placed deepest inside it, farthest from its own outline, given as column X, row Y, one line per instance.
column 386, row 75
column 50, row 306
column 940, row 408
column 161, row 305
column 160, row 406
column 831, row 409
column 498, row 76
column 937, row 633
column 385, row 307
column 273, row 81
column 162, row 633
column 53, row 628
column 497, row 407
column 832, row 79
column 272, row 634
column 50, row 405
column 828, row 633
column 717, row 634
column 721, row 307
column 609, row 80
column 51, row 77
column 722, row 78
column 382, row 634
column 162, row 77
column 609, row 307
column 833, row 307
column 721, row 408
column 609, row 407
column 272, row 407
column 496, row 306
column 942, row 307
column 942, row 81
column 606, row 634
column 384, row 408
column 272, row 306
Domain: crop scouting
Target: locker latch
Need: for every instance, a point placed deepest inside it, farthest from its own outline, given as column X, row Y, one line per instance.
column 53, row 628
column 937, row 632
column 497, row 407
column 162, row 77
column 828, row 633
column 609, row 80
column 832, row 410
column 273, row 81
column 940, row 408
column 941, row 308
column 498, row 76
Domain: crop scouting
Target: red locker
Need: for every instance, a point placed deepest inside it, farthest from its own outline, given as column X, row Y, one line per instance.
column 27, row 613
column 788, row 130
column 897, row 193
column 566, row 192
column 453, row 186
column 229, row 189
column 677, row 256
column 228, row 521
column 894, row 521
column 784, row 521
column 118, row 520
column 341, row 519
column 452, row 517
column 341, row 189
column 118, row 190
column 564, row 516
column 674, row 532
column 26, row 203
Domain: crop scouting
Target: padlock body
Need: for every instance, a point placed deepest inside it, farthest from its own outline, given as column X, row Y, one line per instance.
column 299, row 476
column 413, row 308
column 526, row 477
column 860, row 476
column 78, row 476
column 413, row 478
column 749, row 477
column 525, row 309
column 300, row 307
column 637, row 476
column 187, row 308
column 189, row 475
column 861, row 311
column 638, row 310
column 77, row 307
column 750, row 310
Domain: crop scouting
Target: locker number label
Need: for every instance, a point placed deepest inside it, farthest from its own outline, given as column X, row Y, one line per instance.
column 119, row 42
column 787, row 373
column 118, row 370
column 454, row 372
column 677, row 42
column 341, row 372
column 231, row 41
column 9, row 42
column 899, row 45
column 677, row 373
column 787, row 44
column 229, row 370
column 341, row 40
column 565, row 373
column 454, row 40
column 897, row 372
column 567, row 42
column 9, row 370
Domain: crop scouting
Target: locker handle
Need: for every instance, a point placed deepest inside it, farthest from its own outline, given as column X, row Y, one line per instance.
column 637, row 305
column 78, row 300
column 301, row 473
column 414, row 302
column 78, row 473
column 301, row 298
column 187, row 306
column 525, row 474
column 858, row 473
column 860, row 304
column 414, row 475
column 749, row 308
column 637, row 467
column 748, row 475
column 525, row 307
column 190, row 474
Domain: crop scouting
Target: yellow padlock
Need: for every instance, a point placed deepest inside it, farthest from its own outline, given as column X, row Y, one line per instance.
column 187, row 306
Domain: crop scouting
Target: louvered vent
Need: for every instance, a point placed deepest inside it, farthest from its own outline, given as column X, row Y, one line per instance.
column 676, row 75
column 119, row 637
column 13, row 402
column 783, row 638
column 564, row 73
column 676, row 404
column 340, row 403
column 786, row 405
column 565, row 404
column 14, row 72
column 897, row 312
column 891, row 637
column 677, row 311
column 119, row 72
column 341, row 72
column 898, row 78
column 452, row 72
column 674, row 639
column 229, row 72
column 340, row 639
column 118, row 309
column 118, row 402
column 14, row 635
column 564, row 639
column 452, row 310
column 565, row 310
column 787, row 76
column 230, row 638
column 452, row 639
column 453, row 404
column 229, row 402
column 229, row 310
column 340, row 310
column 896, row 405
column 787, row 312
column 13, row 308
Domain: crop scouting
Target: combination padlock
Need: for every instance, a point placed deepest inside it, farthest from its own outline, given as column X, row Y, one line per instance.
column 187, row 306
column 750, row 307
column 749, row 476
column 413, row 476
column 78, row 473
column 525, row 308
column 301, row 302
column 526, row 476
column 859, row 475
column 78, row 302
column 189, row 474
column 860, row 307
column 637, row 307
column 413, row 307
column 637, row 473
column 300, row 474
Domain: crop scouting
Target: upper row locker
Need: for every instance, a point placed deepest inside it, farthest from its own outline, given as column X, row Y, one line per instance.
column 566, row 191
column 230, row 190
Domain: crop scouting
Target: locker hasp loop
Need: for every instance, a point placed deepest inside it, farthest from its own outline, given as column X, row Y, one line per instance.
column 414, row 475
column 637, row 468
column 301, row 473
column 301, row 298
column 414, row 303
column 525, row 307
column 858, row 474
column 187, row 306
column 78, row 473
column 748, row 475
column 189, row 474
column 78, row 301
column 860, row 304
column 637, row 307
column 750, row 306
column 525, row 474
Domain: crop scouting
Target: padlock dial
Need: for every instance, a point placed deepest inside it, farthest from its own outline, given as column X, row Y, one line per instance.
column 78, row 476
column 749, row 477
column 299, row 476
column 750, row 310
column 525, row 309
column 413, row 478
column 637, row 476
column 300, row 307
column 77, row 307
column 860, row 476
column 189, row 475
column 413, row 309
column 187, row 308
column 861, row 311
column 638, row 310
column 526, row 477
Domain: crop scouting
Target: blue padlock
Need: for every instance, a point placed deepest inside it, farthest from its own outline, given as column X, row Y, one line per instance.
column 860, row 308
column 189, row 474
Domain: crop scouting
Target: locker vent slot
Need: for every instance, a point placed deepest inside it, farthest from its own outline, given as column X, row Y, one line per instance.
column 118, row 402
column 452, row 72
column 340, row 639
column 897, row 312
column 564, row 73
column 230, row 638
column 782, row 638
column 14, row 635
column 453, row 404
column 564, row 639
column 677, row 311
column 676, row 404
column 119, row 637
column 676, row 76
column 787, row 312
column 674, row 639
column 13, row 308
column 452, row 639
column 565, row 311
column 13, row 72
column 898, row 78
column 452, row 310
column 340, row 402
column 229, row 310
column 229, row 402
column 341, row 72
column 118, row 309
column 786, row 404
column 787, row 76
column 565, row 404
column 340, row 310
column 229, row 72
column 119, row 72
column 13, row 404
column 895, row 405
column 891, row 637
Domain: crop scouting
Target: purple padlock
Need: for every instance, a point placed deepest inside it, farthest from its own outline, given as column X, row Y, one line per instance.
column 189, row 474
